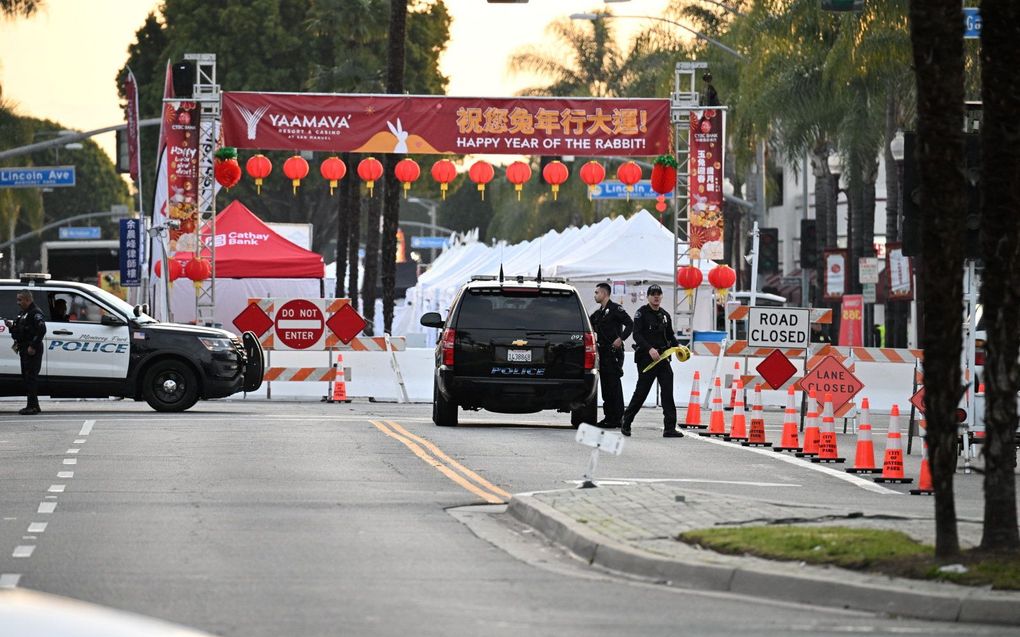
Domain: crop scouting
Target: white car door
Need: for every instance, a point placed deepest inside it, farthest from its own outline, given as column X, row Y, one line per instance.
column 10, row 361
column 78, row 343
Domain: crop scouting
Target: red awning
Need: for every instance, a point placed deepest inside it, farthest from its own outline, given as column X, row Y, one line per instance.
column 246, row 248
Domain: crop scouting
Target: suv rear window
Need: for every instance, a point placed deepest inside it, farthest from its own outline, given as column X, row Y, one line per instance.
column 526, row 309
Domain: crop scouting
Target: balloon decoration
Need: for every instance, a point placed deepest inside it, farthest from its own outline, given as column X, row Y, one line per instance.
column 555, row 173
column 332, row 170
column 176, row 269
column 226, row 169
column 663, row 179
column 629, row 173
column 518, row 173
column 443, row 171
column 592, row 173
column 407, row 172
column 198, row 270
column 258, row 167
column 296, row 169
column 689, row 278
column 722, row 278
column 370, row 170
column 481, row 173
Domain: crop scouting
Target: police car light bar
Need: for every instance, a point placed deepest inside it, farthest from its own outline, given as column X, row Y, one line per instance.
column 32, row 277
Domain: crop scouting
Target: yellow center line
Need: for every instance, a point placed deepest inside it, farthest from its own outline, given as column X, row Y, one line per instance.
column 448, row 460
column 439, row 466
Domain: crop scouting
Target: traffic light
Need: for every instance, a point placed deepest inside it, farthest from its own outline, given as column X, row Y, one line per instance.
column 808, row 244
column 911, row 197
column 972, row 222
column 768, row 251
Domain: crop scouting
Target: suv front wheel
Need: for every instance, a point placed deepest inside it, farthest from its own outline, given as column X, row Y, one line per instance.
column 588, row 413
column 170, row 386
column 444, row 412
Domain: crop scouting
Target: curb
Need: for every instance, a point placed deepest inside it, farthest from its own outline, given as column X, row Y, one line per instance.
column 709, row 571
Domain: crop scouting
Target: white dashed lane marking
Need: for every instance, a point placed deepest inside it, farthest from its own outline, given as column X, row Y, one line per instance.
column 56, row 488
column 37, row 527
column 9, row 580
column 79, row 441
column 23, row 550
column 72, row 450
column 65, row 474
column 47, row 507
column 70, row 461
column 86, row 428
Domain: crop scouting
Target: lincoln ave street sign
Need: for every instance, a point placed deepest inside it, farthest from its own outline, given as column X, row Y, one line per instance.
column 778, row 327
column 37, row 177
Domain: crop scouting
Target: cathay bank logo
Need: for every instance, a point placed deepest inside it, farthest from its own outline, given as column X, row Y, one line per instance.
column 251, row 118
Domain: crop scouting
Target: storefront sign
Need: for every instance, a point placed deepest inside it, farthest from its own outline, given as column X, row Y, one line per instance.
column 835, row 274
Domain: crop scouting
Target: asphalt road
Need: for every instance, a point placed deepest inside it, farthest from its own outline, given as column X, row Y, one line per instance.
column 304, row 519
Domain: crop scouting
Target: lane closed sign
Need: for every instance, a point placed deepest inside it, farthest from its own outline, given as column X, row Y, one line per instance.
column 778, row 327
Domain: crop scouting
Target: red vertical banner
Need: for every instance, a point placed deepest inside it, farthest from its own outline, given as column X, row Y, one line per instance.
column 705, row 225
column 851, row 323
column 180, row 128
column 131, row 91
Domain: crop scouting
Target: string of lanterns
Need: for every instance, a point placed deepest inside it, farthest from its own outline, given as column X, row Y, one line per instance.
column 443, row 171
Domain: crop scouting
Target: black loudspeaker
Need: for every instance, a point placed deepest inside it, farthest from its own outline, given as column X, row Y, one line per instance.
column 808, row 244
column 183, row 78
column 911, row 197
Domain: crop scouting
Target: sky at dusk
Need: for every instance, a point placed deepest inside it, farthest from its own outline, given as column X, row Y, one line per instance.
column 62, row 63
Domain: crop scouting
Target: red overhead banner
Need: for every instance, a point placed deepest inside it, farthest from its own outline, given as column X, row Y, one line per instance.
column 459, row 125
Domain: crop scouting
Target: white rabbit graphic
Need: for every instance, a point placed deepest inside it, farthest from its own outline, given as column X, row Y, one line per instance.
column 401, row 136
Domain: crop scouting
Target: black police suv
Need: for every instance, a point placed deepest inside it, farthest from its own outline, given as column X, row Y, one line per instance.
column 515, row 345
column 97, row 346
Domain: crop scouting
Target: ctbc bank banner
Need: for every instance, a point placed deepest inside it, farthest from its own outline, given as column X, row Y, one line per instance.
column 435, row 125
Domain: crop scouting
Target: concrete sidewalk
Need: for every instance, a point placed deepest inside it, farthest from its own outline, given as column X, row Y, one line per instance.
column 632, row 529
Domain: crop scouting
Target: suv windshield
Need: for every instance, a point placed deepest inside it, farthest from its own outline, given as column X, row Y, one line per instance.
column 121, row 305
column 528, row 310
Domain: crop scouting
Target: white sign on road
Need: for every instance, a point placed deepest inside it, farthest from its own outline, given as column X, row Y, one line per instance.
column 600, row 439
column 780, row 327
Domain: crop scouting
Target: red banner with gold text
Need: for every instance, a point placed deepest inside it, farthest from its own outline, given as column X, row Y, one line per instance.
column 460, row 125
column 705, row 225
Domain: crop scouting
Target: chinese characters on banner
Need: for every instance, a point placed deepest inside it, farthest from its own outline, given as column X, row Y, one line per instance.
column 433, row 125
column 705, row 227
column 901, row 273
column 835, row 274
column 130, row 253
column 131, row 92
column 851, row 321
column 180, row 126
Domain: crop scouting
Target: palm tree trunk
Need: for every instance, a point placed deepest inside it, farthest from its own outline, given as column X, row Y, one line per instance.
column 369, row 284
column 937, row 38
column 354, row 241
column 391, row 213
column 823, row 194
column 343, row 216
column 1000, row 158
column 892, row 215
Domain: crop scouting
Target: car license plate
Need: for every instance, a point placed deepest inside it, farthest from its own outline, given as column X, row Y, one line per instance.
column 518, row 355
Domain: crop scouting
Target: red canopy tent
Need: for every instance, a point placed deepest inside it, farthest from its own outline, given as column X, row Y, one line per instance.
column 248, row 248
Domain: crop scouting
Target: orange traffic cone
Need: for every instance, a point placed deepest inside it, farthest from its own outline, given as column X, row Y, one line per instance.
column 738, row 428
column 789, row 440
column 892, row 463
column 717, row 421
column 339, row 393
column 693, row 419
column 757, row 437
column 924, row 485
column 811, row 432
column 733, row 386
column 827, row 448
column 864, row 455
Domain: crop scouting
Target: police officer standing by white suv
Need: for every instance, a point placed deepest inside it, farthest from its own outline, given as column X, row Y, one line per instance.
column 28, row 330
column 612, row 326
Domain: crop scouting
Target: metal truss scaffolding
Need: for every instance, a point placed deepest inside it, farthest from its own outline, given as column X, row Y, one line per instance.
column 685, row 98
column 207, row 95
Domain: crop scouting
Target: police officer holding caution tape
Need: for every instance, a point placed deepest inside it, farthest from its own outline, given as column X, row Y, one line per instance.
column 653, row 335
column 612, row 327
column 27, row 331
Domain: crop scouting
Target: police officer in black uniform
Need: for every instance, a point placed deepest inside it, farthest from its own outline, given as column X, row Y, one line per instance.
column 653, row 334
column 28, row 331
column 612, row 326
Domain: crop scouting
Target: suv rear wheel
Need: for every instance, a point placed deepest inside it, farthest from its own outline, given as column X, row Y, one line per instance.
column 444, row 412
column 588, row 413
column 170, row 386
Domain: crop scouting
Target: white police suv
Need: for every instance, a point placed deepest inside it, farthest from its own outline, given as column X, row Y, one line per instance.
column 97, row 346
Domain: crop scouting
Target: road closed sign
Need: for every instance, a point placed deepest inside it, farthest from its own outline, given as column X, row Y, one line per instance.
column 781, row 327
column 300, row 324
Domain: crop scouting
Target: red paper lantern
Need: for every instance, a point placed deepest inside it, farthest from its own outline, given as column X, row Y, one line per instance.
column 443, row 171
column 332, row 170
column 663, row 179
column 370, row 170
column 198, row 270
column 722, row 278
column 592, row 173
column 689, row 278
column 296, row 169
column 227, row 173
column 518, row 173
column 481, row 172
column 555, row 173
column 258, row 167
column 407, row 172
column 629, row 173
column 176, row 269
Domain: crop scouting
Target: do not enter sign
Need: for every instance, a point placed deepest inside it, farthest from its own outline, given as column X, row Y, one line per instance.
column 300, row 324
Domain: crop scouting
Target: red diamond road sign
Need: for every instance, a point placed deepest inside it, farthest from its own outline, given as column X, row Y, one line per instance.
column 831, row 377
column 346, row 323
column 776, row 369
column 917, row 400
column 253, row 319
column 299, row 324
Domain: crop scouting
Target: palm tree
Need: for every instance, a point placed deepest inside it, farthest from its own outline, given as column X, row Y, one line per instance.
column 396, row 54
column 19, row 8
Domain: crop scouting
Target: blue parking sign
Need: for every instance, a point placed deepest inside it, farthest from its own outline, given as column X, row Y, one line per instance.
column 131, row 252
